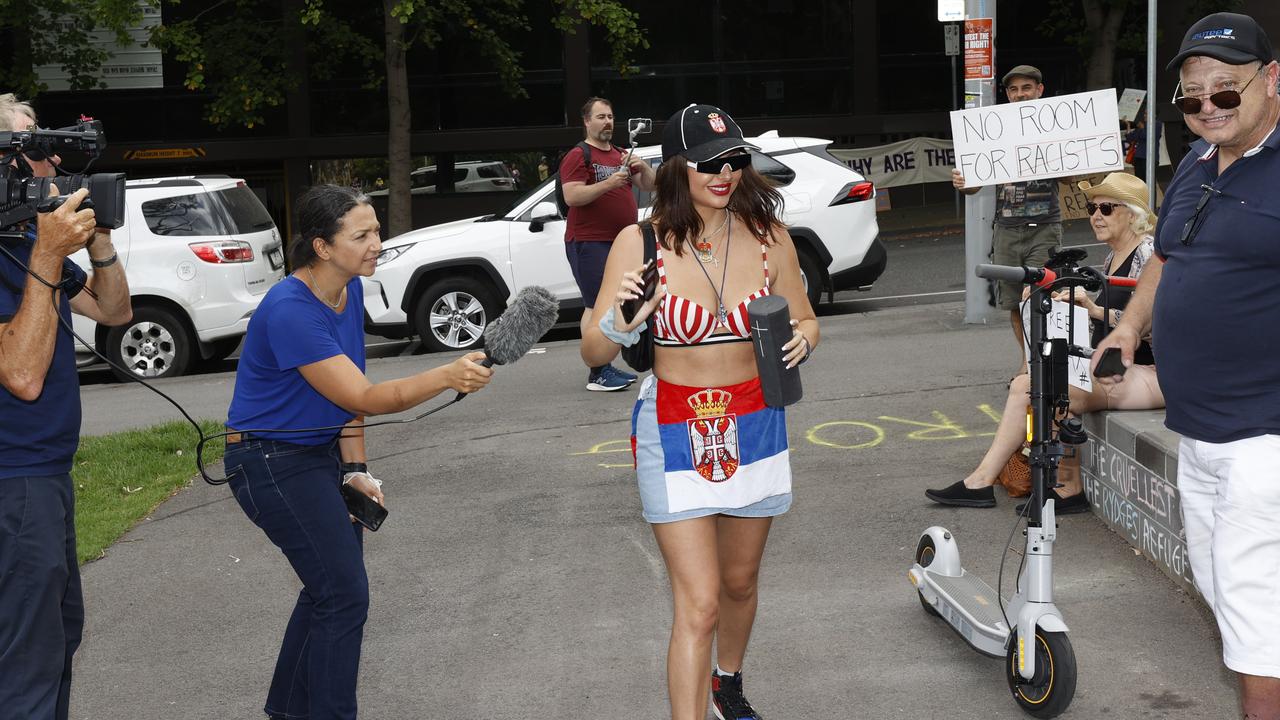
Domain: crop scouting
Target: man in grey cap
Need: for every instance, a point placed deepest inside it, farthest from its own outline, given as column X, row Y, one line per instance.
column 1028, row 224
column 1210, row 306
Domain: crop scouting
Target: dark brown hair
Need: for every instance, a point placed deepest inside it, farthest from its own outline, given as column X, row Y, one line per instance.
column 754, row 202
column 318, row 214
column 590, row 103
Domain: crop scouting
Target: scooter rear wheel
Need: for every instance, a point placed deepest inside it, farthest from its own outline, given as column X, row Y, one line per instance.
column 1053, row 686
column 925, row 552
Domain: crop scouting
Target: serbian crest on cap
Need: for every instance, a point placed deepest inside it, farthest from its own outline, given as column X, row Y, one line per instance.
column 717, row 122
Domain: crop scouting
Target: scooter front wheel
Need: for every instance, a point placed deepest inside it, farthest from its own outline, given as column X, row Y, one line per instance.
column 1048, row 693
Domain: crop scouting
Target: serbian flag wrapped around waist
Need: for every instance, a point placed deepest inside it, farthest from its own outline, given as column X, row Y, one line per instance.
column 722, row 447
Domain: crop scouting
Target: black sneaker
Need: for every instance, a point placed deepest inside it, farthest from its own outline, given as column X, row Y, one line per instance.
column 960, row 496
column 726, row 698
column 1077, row 503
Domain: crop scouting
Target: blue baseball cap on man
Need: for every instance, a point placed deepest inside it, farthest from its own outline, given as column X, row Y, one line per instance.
column 1233, row 38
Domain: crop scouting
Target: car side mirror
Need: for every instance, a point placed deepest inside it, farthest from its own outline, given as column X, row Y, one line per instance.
column 543, row 213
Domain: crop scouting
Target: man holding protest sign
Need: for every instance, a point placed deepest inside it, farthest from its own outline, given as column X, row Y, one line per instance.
column 1028, row 223
column 1209, row 305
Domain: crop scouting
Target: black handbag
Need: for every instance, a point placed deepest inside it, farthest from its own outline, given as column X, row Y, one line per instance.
column 640, row 355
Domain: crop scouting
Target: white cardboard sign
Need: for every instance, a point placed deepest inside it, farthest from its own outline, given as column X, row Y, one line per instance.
column 1077, row 367
column 1130, row 100
column 1052, row 137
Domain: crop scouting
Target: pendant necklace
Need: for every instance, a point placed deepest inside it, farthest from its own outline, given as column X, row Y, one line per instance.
column 703, row 246
column 333, row 305
column 721, row 314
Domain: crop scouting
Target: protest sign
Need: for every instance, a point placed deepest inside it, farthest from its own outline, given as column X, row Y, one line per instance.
column 1130, row 101
column 1059, row 318
column 918, row 160
column 1047, row 138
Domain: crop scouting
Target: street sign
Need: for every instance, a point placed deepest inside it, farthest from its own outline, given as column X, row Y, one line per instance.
column 950, row 10
column 979, row 49
column 951, row 32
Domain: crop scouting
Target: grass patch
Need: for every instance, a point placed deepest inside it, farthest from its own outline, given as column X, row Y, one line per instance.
column 121, row 478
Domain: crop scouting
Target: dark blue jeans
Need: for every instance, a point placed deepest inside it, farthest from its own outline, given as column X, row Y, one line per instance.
column 291, row 492
column 41, row 607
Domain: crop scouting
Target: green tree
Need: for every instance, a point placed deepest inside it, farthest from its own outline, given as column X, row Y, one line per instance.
column 57, row 32
column 1102, row 29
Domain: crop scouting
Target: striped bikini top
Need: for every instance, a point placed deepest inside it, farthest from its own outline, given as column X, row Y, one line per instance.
column 681, row 321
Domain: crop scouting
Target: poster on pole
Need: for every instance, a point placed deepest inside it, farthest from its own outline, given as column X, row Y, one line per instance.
column 1075, row 134
column 1130, row 100
column 979, row 61
column 1063, row 318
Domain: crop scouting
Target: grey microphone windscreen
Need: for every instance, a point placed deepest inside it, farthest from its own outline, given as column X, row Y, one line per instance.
column 529, row 317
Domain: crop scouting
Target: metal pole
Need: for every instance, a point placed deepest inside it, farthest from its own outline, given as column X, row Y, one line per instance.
column 979, row 208
column 955, row 105
column 1153, row 147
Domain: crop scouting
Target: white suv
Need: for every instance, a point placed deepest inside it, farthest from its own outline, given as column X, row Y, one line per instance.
column 468, row 176
column 199, row 253
column 447, row 282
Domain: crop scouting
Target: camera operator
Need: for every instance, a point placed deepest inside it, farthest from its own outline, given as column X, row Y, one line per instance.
column 41, row 609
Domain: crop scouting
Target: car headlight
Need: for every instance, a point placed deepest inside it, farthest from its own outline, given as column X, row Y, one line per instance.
column 390, row 254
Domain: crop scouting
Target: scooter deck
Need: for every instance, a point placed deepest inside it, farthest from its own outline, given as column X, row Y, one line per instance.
column 972, row 607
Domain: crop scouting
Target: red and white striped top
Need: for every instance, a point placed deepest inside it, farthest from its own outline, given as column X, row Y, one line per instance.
column 681, row 321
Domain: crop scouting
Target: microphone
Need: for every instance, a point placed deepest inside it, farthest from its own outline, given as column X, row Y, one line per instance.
column 530, row 316
column 1043, row 277
column 770, row 319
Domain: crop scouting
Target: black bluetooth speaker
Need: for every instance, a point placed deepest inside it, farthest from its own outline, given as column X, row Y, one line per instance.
column 770, row 319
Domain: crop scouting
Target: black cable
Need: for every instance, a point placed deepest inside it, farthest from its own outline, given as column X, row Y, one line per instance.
column 200, row 431
column 1004, row 556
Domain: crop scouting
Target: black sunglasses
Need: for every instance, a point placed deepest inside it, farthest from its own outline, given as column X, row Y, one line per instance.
column 1105, row 207
column 1193, row 225
column 1224, row 99
column 716, row 165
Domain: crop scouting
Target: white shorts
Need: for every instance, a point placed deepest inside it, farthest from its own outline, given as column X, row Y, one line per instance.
column 1230, row 495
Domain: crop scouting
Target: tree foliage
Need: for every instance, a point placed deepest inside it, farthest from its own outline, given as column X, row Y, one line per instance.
column 58, row 32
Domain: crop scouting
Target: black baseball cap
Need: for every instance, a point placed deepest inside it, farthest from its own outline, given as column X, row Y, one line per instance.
column 701, row 132
column 1233, row 38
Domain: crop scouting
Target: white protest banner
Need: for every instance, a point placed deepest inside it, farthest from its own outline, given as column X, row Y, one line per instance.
column 918, row 160
column 1074, row 134
column 1077, row 367
column 1130, row 100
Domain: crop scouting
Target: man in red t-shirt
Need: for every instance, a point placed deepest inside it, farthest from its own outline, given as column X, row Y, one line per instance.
column 601, row 204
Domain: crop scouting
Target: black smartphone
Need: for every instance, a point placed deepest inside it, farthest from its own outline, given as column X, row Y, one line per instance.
column 363, row 508
column 649, row 283
column 1110, row 363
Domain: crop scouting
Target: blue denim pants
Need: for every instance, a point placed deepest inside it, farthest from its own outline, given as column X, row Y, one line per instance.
column 41, row 607
column 292, row 493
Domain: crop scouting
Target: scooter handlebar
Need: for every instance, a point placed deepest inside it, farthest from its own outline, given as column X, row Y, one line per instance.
column 1010, row 273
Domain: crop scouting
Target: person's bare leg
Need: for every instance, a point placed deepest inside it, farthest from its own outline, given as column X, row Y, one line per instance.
column 1015, row 319
column 584, row 323
column 1260, row 697
column 741, row 542
column 1009, row 436
column 689, row 548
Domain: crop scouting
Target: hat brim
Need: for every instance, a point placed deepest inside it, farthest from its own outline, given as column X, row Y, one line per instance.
column 1115, row 191
column 1004, row 82
column 716, row 148
column 1230, row 56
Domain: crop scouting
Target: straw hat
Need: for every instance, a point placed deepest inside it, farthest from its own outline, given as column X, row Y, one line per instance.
column 1121, row 186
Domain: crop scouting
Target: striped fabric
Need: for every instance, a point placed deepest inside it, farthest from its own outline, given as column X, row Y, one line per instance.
column 681, row 321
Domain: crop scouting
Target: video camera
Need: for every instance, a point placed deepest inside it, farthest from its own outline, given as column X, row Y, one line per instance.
column 22, row 196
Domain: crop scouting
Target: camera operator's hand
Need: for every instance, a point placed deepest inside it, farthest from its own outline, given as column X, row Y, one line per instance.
column 66, row 229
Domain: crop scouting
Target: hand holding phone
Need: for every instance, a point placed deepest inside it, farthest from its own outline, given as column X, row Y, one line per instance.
column 363, row 508
column 648, row 285
column 1110, row 364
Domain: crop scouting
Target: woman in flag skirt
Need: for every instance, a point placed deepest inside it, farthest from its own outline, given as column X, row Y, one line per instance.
column 711, row 458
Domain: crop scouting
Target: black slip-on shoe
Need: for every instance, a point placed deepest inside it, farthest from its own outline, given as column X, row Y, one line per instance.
column 1077, row 503
column 958, row 495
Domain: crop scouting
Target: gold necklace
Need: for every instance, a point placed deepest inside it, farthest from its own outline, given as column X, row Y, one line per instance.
column 316, row 287
column 703, row 247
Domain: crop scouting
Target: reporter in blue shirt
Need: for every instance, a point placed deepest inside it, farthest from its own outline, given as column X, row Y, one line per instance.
column 303, row 367
column 41, row 610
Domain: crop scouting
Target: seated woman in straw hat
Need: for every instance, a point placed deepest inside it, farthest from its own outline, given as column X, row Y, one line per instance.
column 1121, row 218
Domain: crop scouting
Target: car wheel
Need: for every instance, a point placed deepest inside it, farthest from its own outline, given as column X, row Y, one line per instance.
column 453, row 313
column 154, row 344
column 811, row 274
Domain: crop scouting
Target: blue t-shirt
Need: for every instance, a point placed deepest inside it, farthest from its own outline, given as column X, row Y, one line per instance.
column 292, row 328
column 1216, row 320
column 40, row 437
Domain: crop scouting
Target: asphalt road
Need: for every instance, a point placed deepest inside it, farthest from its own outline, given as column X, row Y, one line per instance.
column 515, row 578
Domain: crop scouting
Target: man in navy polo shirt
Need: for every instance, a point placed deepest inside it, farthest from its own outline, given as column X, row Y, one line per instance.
column 1211, row 306
column 41, row 611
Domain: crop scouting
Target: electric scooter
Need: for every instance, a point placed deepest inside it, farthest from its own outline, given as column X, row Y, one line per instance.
column 1027, row 631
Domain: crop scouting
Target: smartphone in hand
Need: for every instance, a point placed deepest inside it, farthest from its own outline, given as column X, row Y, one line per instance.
column 363, row 508
column 1110, row 364
column 649, row 285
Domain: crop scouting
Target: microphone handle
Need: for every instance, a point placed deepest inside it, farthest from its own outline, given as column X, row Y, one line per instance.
column 486, row 362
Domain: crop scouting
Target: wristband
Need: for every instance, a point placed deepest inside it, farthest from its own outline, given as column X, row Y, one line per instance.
column 350, row 467
column 105, row 263
column 625, row 339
